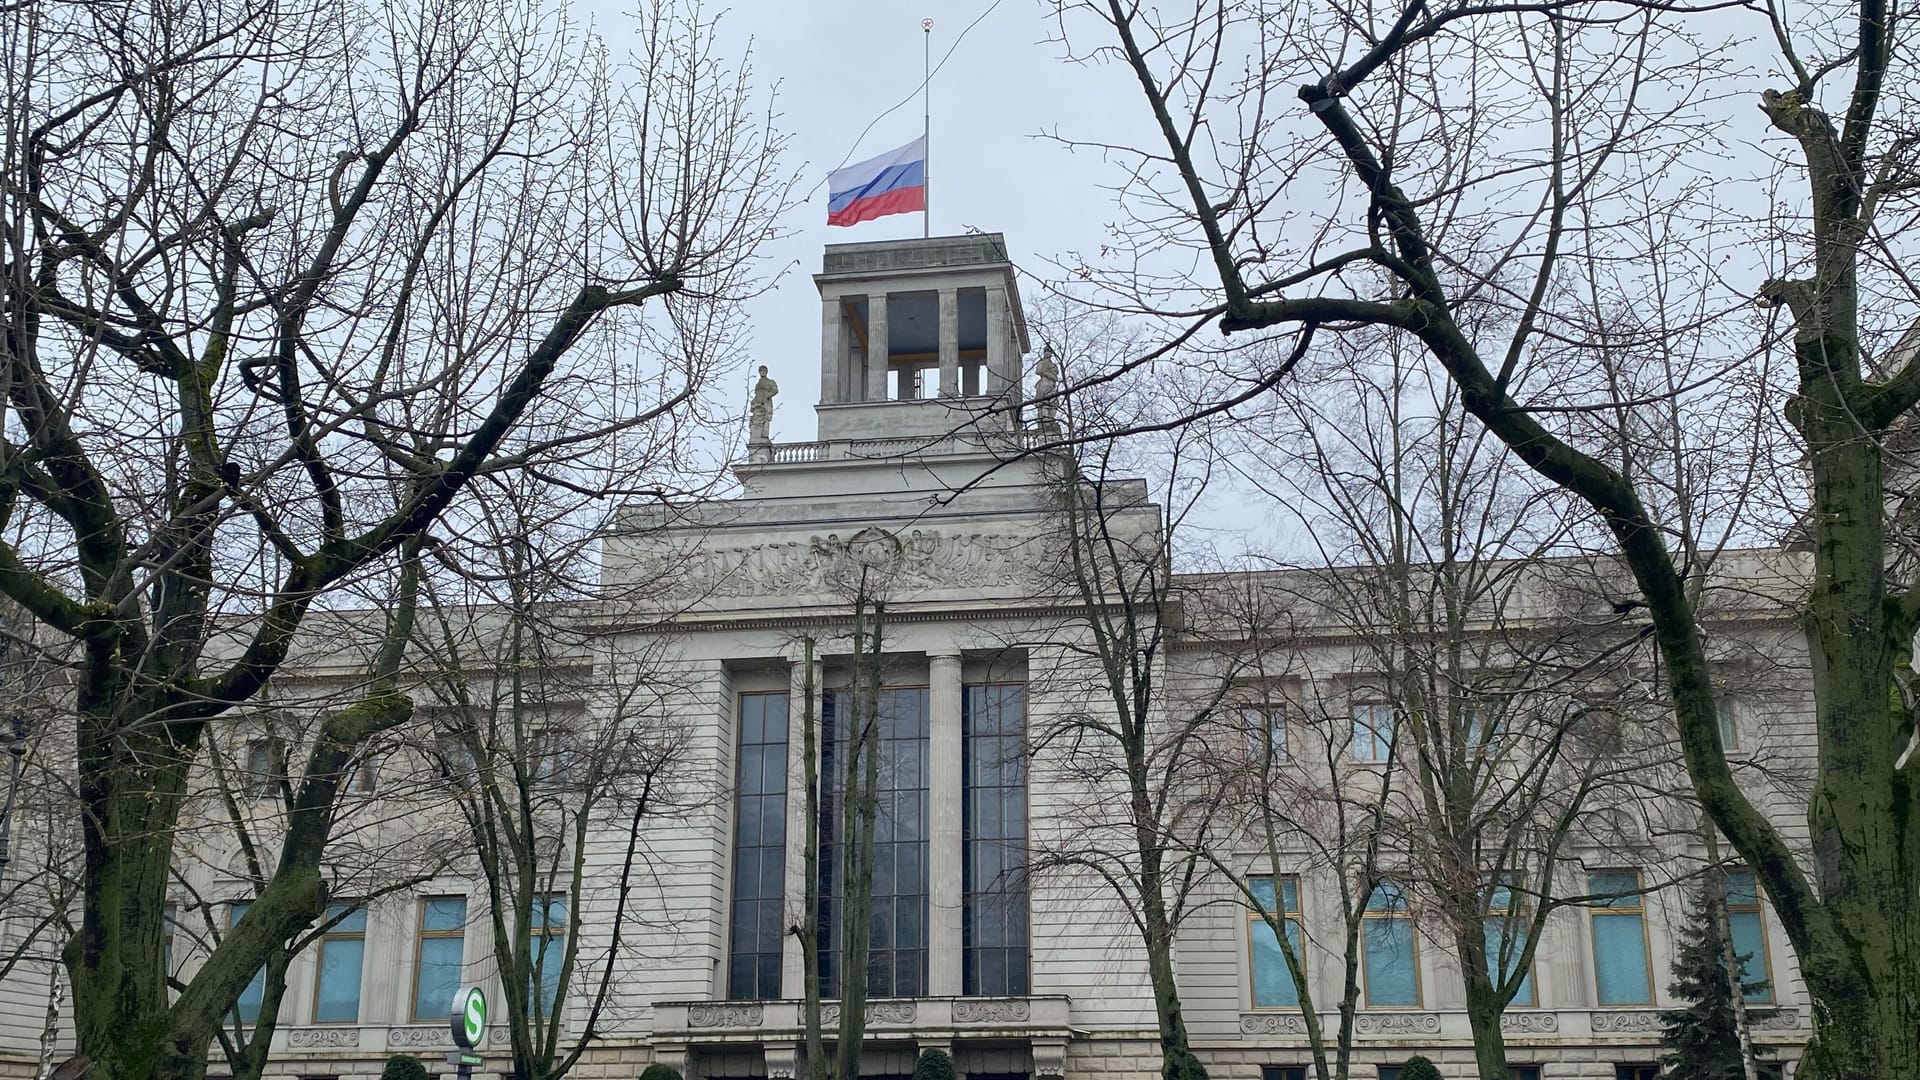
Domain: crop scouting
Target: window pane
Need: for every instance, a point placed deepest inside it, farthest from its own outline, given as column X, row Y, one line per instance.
column 438, row 979
column 1501, row 969
column 247, row 1008
column 759, row 848
column 353, row 920
column 1620, row 959
column 1388, row 953
column 1749, row 943
column 338, row 996
column 994, row 822
column 1611, row 887
column 549, row 956
column 444, row 913
column 1273, row 985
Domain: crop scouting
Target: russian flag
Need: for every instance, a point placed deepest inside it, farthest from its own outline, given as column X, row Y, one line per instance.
column 893, row 183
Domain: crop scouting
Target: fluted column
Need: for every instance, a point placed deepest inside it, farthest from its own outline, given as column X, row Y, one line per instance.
column 877, row 347
column 792, row 964
column 949, row 343
column 945, row 895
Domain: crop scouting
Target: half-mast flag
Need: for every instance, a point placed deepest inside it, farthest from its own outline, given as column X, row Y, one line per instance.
column 893, row 183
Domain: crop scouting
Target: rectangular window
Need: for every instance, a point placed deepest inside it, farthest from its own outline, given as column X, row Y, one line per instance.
column 1283, row 1072
column 759, row 849
column 1372, row 732
column 1483, row 727
column 1748, row 930
column 343, row 950
column 1265, row 727
column 457, row 760
column 1640, row 1070
column 1524, row 1072
column 552, row 757
column 364, row 775
column 1273, row 985
column 1507, row 926
column 897, row 952
column 1387, row 949
column 247, row 1008
column 264, row 770
column 994, row 820
column 1618, row 913
column 442, row 941
column 547, row 953
column 1726, row 711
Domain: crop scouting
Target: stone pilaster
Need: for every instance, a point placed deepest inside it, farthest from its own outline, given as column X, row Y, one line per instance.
column 792, row 964
column 1003, row 360
column 944, row 880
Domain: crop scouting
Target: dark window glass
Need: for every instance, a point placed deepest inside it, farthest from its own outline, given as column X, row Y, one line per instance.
column 897, row 944
column 1283, row 1072
column 759, row 848
column 1646, row 1070
column 1524, row 1072
column 994, row 812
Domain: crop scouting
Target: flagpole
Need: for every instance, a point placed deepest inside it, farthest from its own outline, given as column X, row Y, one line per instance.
column 926, row 126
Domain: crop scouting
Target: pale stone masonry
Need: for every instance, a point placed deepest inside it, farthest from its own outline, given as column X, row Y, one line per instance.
column 921, row 475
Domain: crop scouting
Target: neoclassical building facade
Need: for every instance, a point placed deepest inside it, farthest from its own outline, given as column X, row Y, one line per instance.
column 932, row 493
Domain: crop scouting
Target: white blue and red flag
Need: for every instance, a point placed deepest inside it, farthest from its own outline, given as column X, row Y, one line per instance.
column 893, row 183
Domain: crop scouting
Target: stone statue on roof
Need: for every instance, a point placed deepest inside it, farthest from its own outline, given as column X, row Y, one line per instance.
column 760, row 410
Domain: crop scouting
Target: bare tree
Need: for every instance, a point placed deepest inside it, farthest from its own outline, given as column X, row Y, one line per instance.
column 280, row 282
column 1536, row 196
column 549, row 737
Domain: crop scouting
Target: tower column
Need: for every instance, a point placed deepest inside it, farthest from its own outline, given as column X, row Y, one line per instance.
column 945, row 893
column 949, row 343
column 877, row 347
column 1003, row 366
column 833, row 349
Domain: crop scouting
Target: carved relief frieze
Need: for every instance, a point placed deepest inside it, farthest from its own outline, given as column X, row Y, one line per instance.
column 1526, row 1023
column 1637, row 1021
column 1397, row 1024
column 991, row 1012
column 733, row 1016
column 324, row 1037
column 1272, row 1024
column 1782, row 1020
column 921, row 559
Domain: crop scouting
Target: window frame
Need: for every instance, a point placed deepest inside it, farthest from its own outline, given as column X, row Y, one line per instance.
column 1635, row 905
column 1510, row 881
column 1758, row 909
column 537, row 954
column 334, row 933
column 1374, row 741
column 421, row 934
column 974, row 893
column 1403, row 914
column 236, row 910
column 1266, row 731
column 1294, row 916
column 259, row 782
column 764, row 699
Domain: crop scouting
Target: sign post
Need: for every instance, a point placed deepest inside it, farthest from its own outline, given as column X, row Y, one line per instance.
column 469, row 1024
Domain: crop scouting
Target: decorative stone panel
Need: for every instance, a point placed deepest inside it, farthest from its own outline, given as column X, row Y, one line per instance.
column 1530, row 1023
column 424, row 1035
column 323, row 1037
column 733, row 1016
column 1272, row 1024
column 1006, row 1011
column 1636, row 1021
column 1397, row 1024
